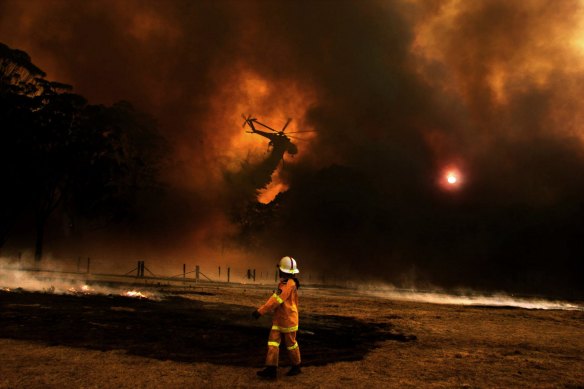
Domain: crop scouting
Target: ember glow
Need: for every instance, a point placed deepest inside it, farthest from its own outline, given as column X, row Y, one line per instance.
column 135, row 294
column 84, row 289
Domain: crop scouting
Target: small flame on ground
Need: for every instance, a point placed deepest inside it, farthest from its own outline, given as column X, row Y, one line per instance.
column 135, row 294
column 84, row 289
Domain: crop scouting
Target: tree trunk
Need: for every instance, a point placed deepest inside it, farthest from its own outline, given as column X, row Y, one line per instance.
column 44, row 209
column 40, row 235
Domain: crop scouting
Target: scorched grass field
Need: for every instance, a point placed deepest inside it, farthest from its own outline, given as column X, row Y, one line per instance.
column 205, row 337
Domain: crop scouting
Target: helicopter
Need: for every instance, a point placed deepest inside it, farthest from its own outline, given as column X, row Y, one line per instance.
column 279, row 140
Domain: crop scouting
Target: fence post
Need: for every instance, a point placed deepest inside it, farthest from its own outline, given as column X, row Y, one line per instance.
column 253, row 275
column 197, row 273
column 184, row 270
column 139, row 269
column 228, row 273
column 219, row 272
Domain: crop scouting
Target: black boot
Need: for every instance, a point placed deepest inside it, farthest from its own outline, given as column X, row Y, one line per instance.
column 269, row 372
column 294, row 370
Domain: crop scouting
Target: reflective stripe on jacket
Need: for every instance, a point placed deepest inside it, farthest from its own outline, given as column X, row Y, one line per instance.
column 284, row 303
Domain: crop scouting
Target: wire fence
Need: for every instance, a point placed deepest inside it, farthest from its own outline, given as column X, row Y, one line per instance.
column 93, row 267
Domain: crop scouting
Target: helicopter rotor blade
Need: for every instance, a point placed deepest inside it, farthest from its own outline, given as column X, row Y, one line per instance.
column 296, row 138
column 249, row 120
column 286, row 125
column 263, row 125
column 297, row 132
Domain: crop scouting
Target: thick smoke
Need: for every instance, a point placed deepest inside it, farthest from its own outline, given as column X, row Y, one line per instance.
column 397, row 92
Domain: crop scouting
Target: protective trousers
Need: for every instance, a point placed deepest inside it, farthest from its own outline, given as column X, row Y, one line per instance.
column 274, row 347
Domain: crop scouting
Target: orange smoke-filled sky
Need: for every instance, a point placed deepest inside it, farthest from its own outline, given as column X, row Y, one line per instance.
column 398, row 92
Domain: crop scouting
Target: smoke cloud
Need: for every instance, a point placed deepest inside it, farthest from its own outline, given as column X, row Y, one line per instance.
column 398, row 92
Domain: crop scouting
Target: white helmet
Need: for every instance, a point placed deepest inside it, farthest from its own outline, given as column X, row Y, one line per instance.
column 288, row 265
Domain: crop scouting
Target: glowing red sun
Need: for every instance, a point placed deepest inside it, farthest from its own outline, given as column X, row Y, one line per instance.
column 451, row 178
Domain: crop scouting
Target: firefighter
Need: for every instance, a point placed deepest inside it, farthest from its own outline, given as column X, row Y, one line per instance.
column 284, row 304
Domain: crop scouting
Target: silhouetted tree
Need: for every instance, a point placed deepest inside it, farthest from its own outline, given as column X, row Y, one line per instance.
column 19, row 104
column 121, row 153
column 52, row 150
column 56, row 151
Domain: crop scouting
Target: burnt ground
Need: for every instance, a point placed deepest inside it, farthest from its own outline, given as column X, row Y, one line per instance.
column 180, row 329
column 207, row 339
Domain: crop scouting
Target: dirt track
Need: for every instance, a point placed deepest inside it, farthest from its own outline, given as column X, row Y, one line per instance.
column 207, row 338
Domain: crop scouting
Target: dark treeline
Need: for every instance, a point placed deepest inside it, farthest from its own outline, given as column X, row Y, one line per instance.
column 60, row 154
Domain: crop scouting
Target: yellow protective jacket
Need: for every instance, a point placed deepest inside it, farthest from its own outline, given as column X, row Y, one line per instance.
column 284, row 303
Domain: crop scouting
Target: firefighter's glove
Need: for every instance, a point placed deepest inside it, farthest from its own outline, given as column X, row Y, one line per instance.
column 256, row 314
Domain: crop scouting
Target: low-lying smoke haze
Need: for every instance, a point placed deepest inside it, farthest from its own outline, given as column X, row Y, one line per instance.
column 14, row 278
column 398, row 92
column 499, row 300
